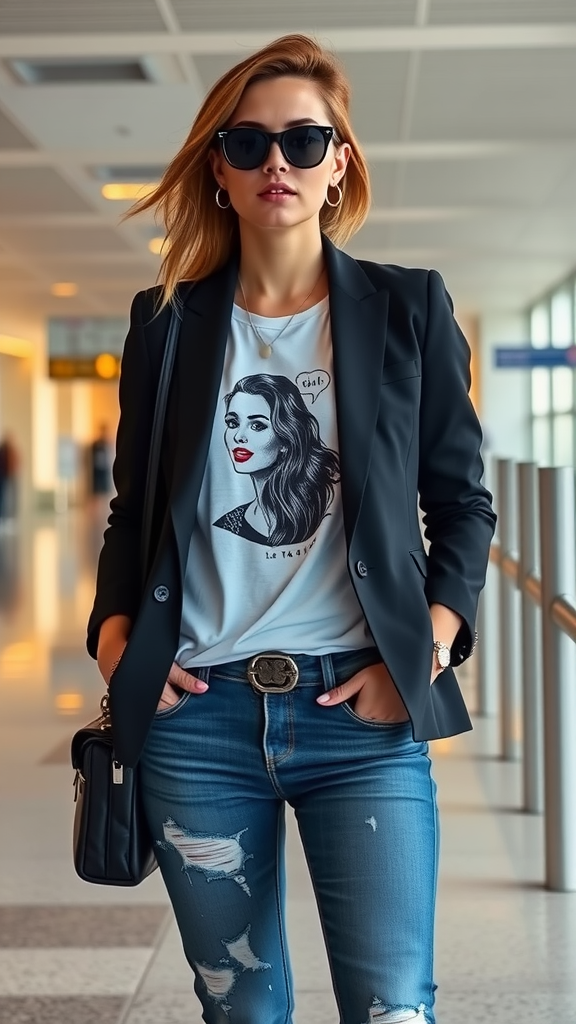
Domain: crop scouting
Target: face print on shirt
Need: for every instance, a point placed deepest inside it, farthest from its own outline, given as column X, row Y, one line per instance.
column 271, row 437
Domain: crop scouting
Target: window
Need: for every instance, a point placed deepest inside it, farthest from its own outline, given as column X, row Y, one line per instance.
column 553, row 392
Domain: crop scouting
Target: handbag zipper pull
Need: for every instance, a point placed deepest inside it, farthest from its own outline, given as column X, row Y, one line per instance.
column 78, row 782
column 117, row 773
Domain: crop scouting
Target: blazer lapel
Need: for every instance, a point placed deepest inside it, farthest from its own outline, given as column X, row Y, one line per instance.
column 206, row 312
column 359, row 316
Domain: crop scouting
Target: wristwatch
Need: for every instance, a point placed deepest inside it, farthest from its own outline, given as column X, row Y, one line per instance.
column 443, row 655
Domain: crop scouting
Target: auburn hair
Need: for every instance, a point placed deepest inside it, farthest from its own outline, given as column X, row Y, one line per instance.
column 199, row 235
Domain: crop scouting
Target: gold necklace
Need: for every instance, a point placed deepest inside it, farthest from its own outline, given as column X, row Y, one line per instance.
column 265, row 347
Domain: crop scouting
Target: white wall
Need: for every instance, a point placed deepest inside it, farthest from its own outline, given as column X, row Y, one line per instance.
column 505, row 394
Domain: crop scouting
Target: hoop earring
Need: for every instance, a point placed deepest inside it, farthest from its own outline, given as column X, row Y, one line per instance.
column 339, row 200
column 223, row 206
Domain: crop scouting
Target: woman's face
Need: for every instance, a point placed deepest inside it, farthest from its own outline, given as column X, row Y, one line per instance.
column 249, row 437
column 276, row 104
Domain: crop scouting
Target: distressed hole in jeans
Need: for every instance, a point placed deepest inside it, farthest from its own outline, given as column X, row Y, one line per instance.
column 241, row 950
column 381, row 1014
column 213, row 856
column 219, row 982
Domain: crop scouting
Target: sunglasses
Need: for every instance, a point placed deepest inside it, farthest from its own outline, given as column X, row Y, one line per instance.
column 247, row 148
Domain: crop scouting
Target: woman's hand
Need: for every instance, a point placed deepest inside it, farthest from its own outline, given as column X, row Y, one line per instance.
column 377, row 699
column 179, row 680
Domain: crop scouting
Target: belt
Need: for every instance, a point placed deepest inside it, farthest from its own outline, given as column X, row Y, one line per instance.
column 272, row 672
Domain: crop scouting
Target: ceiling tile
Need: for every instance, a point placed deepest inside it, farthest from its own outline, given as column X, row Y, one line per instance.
column 119, row 119
column 516, row 180
column 11, row 137
column 498, row 94
column 30, row 190
column 490, row 232
column 378, row 83
column 14, row 275
column 35, row 17
column 35, row 240
column 501, row 12
column 382, row 180
column 298, row 16
column 132, row 274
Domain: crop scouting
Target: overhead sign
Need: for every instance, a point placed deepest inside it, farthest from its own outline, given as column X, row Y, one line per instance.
column 86, row 347
column 524, row 357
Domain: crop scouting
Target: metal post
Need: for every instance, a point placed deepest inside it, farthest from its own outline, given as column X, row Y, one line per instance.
column 510, row 693
column 487, row 651
column 487, row 654
column 531, row 661
column 558, row 549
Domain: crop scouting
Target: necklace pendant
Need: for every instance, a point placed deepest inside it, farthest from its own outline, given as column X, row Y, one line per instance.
column 265, row 350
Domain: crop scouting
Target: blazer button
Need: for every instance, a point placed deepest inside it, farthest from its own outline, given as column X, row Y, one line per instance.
column 361, row 570
column 161, row 594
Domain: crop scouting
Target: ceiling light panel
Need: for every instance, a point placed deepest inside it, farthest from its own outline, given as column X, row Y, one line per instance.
column 501, row 12
column 11, row 137
column 298, row 16
column 57, row 17
column 30, row 190
column 499, row 94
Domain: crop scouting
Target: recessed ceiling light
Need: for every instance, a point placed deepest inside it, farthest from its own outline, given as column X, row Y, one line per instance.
column 107, row 366
column 158, row 245
column 64, row 289
column 128, row 189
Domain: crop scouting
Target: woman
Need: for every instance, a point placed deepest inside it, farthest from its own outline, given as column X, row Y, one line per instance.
column 292, row 471
column 244, row 676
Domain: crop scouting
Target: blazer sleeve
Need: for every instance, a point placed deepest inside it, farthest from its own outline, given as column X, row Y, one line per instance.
column 118, row 581
column 458, row 517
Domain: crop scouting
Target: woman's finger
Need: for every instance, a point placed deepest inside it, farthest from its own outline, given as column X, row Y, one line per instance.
column 343, row 692
column 181, row 679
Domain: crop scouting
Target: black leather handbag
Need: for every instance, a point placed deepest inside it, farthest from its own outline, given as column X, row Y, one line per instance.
column 112, row 844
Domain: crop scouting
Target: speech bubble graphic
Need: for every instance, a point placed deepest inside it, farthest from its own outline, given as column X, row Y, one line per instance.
column 313, row 383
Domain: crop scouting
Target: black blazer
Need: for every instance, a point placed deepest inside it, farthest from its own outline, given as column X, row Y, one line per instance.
column 406, row 430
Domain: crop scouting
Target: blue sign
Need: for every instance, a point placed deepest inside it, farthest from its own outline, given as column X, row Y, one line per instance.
column 523, row 357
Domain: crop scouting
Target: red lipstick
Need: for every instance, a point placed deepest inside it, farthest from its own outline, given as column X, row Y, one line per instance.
column 242, row 454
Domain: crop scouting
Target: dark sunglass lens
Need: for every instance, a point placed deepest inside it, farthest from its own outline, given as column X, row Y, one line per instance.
column 305, row 147
column 245, row 148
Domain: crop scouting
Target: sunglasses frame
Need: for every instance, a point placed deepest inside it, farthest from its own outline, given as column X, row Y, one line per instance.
column 327, row 131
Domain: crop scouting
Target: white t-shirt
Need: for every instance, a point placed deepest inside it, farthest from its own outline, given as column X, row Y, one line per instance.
column 267, row 567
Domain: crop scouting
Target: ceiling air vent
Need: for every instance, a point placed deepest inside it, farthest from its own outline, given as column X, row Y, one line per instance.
column 54, row 72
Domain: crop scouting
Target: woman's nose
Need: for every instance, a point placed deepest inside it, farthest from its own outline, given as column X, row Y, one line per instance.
column 239, row 435
column 275, row 161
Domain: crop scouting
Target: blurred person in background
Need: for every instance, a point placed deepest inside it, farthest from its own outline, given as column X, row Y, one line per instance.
column 9, row 471
column 101, row 462
column 264, row 663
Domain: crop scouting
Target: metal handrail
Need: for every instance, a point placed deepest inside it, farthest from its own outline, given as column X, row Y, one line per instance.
column 563, row 614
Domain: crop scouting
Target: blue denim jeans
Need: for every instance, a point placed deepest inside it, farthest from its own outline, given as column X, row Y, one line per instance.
column 217, row 771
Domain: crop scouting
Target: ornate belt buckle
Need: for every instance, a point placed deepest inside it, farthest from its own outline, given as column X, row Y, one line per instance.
column 272, row 672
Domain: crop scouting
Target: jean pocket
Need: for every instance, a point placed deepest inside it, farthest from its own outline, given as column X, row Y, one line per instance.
column 166, row 712
column 373, row 723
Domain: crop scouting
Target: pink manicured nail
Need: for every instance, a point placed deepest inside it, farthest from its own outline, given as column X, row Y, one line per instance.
column 201, row 686
column 323, row 698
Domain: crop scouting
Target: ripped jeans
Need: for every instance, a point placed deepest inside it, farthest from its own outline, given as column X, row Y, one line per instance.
column 217, row 770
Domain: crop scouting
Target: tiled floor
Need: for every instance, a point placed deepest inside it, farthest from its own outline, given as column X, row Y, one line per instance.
column 71, row 953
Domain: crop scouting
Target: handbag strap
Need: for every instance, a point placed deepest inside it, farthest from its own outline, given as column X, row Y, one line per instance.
column 156, row 436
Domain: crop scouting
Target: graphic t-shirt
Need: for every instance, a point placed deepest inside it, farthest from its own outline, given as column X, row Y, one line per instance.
column 267, row 566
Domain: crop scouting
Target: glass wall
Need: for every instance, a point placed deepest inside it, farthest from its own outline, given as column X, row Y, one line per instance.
column 553, row 326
